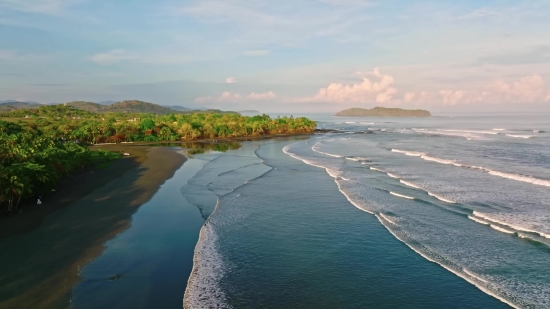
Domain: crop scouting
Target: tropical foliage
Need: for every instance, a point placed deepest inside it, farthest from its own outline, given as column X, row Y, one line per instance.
column 38, row 147
column 92, row 128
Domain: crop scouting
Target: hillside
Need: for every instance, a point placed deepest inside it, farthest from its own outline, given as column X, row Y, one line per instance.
column 384, row 112
column 7, row 106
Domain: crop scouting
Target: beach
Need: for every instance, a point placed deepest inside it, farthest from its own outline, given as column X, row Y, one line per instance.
column 43, row 248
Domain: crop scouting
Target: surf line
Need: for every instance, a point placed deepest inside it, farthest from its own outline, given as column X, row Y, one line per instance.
column 401, row 195
column 419, row 252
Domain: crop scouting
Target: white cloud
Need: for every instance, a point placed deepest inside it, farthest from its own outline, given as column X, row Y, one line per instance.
column 381, row 91
column 156, row 57
column 256, row 52
column 228, row 97
column 231, row 80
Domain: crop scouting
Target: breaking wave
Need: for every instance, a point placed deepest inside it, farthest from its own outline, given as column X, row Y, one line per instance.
column 441, row 198
column 519, row 136
column 522, row 178
column 401, row 195
column 314, row 148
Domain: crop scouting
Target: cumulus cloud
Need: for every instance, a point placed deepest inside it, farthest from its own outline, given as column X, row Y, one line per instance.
column 231, row 80
column 256, row 52
column 378, row 88
column 228, row 97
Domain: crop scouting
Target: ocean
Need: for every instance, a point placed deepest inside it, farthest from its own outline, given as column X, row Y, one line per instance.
column 439, row 212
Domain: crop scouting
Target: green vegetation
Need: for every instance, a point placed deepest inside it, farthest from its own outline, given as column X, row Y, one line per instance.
column 384, row 112
column 41, row 146
column 70, row 124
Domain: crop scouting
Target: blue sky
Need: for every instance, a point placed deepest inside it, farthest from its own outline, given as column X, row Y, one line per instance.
column 285, row 55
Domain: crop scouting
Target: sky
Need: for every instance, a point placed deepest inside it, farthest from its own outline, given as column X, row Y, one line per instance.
column 279, row 56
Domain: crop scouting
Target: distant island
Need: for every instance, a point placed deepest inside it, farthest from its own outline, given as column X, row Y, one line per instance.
column 384, row 112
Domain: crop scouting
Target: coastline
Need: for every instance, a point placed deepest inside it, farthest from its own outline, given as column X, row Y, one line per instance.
column 41, row 256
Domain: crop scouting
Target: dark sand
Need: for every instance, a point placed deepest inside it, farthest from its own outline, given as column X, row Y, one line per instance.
column 43, row 249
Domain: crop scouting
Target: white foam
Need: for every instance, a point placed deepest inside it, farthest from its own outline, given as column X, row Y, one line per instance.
column 438, row 160
column 350, row 122
column 519, row 135
column 468, row 279
column 202, row 289
column 474, row 275
column 408, row 153
column 511, row 225
column 478, row 220
column 386, row 218
column 522, row 178
column 401, row 195
column 409, row 184
column 356, row 159
column 536, row 131
column 367, row 122
column 500, row 229
column 346, row 179
column 528, row 179
column 469, row 131
column 392, row 175
column 376, row 169
column 325, row 153
column 499, row 129
column 440, row 198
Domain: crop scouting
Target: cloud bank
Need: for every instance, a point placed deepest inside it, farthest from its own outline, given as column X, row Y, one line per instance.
column 381, row 88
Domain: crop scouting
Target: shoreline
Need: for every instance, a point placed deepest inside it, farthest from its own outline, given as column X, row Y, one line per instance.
column 41, row 256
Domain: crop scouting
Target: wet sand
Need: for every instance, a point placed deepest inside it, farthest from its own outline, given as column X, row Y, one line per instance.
column 43, row 249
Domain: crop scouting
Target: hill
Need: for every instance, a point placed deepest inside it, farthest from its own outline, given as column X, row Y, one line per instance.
column 384, row 112
column 7, row 105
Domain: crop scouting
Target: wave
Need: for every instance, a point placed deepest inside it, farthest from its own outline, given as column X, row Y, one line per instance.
column 512, row 225
column 366, row 122
column 392, row 175
column 389, row 224
column 450, row 269
column 376, row 169
column 408, row 153
column 478, row 220
column 325, row 153
column 202, row 289
column 474, row 275
column 519, row 136
column 441, row 198
column 439, row 160
column 499, row 129
column 469, row 131
column 350, row 122
column 401, row 195
column 500, row 229
column 356, row 159
column 517, row 177
column 410, row 184
column 386, row 218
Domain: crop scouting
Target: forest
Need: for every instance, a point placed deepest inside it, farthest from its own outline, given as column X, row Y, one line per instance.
column 40, row 147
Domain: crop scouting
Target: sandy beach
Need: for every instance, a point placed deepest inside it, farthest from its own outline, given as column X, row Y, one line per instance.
column 43, row 248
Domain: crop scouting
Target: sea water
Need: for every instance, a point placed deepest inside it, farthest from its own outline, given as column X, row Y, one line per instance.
column 442, row 212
